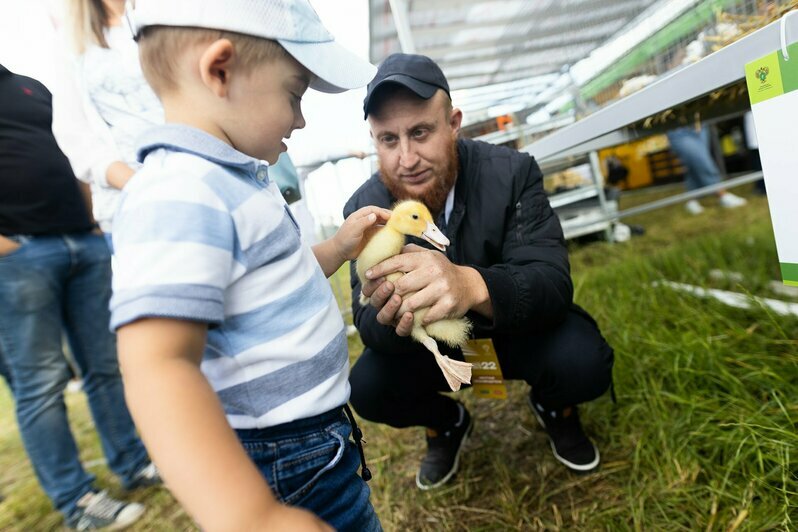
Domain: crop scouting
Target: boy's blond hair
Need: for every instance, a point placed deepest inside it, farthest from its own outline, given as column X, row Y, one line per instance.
column 161, row 49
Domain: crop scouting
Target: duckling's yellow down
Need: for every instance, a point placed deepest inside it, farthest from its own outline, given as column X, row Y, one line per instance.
column 409, row 218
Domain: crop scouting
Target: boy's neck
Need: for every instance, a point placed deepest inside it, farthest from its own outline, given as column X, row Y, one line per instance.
column 183, row 111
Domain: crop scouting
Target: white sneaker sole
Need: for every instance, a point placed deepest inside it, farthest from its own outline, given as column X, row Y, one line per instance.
column 567, row 463
column 455, row 467
column 128, row 516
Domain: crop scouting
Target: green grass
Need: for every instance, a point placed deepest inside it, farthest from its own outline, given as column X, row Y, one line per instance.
column 703, row 436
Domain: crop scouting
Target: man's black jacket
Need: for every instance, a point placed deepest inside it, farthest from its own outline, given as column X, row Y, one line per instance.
column 503, row 226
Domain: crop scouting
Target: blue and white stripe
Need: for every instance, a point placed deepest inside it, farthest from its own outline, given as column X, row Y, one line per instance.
column 202, row 234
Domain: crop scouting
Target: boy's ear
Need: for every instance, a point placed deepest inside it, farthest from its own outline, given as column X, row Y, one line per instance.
column 216, row 65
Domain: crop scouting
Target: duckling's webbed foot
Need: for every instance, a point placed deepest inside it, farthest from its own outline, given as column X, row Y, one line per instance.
column 456, row 372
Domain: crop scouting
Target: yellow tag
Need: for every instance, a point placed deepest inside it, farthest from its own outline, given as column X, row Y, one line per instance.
column 486, row 375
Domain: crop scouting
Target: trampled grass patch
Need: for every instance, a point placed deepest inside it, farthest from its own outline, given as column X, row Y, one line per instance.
column 703, row 436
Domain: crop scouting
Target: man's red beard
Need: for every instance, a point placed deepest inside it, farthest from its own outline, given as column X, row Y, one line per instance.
column 434, row 196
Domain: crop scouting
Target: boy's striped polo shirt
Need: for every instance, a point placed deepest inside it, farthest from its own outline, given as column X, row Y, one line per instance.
column 202, row 234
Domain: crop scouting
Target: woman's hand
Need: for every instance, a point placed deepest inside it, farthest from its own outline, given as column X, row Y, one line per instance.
column 8, row 246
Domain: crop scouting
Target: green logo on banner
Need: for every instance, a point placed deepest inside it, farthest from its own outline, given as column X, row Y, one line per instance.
column 763, row 77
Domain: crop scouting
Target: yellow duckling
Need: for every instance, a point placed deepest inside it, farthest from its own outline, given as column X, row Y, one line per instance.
column 413, row 218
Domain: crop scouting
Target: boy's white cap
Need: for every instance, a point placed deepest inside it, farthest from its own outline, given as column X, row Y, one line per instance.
column 292, row 23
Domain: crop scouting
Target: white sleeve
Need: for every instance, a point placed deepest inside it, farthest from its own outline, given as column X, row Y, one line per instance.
column 80, row 132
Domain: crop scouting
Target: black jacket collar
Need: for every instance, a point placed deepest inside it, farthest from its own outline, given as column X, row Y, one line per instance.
column 460, row 190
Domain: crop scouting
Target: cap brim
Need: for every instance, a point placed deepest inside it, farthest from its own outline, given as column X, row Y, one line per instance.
column 422, row 89
column 335, row 69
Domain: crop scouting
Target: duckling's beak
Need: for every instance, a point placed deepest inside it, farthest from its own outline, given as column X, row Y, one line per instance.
column 434, row 236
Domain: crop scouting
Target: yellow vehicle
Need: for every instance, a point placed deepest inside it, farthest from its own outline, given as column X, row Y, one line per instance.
column 648, row 161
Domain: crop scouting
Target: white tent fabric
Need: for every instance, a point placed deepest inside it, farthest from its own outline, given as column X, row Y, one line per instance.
column 512, row 48
column 483, row 42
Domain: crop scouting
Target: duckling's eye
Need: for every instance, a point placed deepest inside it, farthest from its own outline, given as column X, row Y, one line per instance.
column 415, row 216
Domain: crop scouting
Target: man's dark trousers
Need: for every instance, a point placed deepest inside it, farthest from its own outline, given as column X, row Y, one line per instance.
column 566, row 366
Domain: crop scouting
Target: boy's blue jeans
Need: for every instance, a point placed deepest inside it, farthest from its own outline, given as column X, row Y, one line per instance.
column 50, row 285
column 313, row 464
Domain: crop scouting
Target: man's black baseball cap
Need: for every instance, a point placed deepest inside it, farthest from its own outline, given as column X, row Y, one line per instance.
column 418, row 73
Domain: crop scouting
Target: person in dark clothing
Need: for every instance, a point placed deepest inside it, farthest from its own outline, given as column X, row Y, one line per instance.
column 4, row 371
column 55, row 275
column 506, row 269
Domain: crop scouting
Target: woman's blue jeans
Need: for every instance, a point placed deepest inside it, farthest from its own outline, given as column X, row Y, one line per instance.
column 692, row 149
column 49, row 286
column 312, row 463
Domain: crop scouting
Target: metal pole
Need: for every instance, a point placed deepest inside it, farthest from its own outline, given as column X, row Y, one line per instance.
column 679, row 198
column 402, row 23
column 598, row 182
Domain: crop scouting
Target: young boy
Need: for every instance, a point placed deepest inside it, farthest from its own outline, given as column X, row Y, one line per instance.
column 223, row 317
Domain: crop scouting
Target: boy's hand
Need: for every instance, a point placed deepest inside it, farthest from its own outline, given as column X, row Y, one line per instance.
column 283, row 517
column 350, row 239
column 356, row 231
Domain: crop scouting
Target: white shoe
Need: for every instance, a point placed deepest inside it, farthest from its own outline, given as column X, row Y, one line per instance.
column 693, row 207
column 98, row 511
column 730, row 201
column 621, row 232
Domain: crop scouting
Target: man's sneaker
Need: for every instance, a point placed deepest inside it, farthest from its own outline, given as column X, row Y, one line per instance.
column 147, row 476
column 568, row 441
column 730, row 201
column 443, row 452
column 98, row 511
column 693, row 207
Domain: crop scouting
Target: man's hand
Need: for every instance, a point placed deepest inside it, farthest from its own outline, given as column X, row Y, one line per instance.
column 8, row 246
column 387, row 303
column 431, row 281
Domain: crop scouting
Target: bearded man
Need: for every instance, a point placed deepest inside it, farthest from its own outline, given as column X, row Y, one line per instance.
column 506, row 269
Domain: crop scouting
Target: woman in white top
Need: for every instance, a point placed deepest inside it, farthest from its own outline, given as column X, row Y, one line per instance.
column 120, row 105
column 118, row 102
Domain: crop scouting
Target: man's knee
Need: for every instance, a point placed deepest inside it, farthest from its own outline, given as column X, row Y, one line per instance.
column 592, row 372
column 578, row 364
